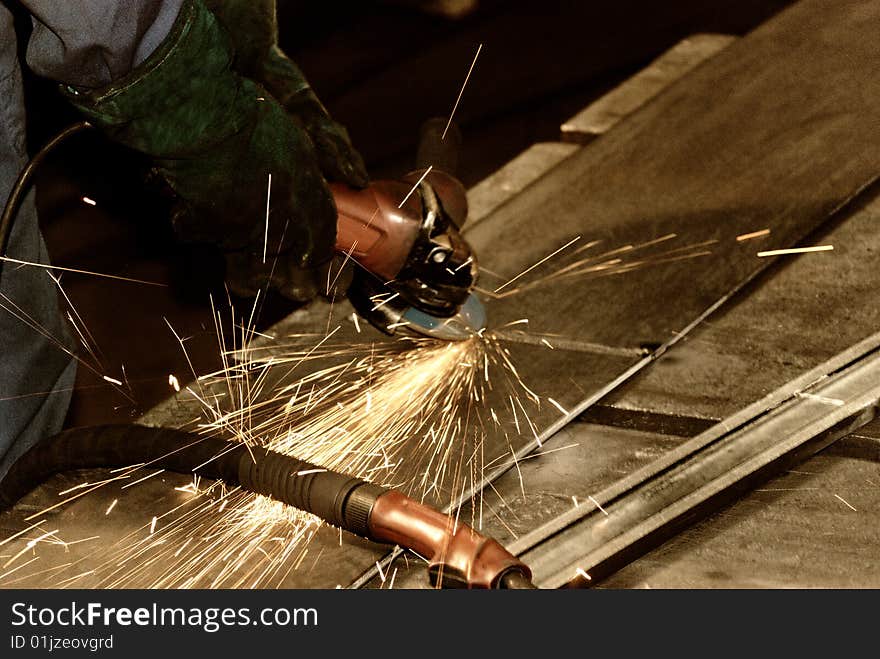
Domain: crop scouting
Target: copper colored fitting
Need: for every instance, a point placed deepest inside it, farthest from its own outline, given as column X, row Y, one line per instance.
column 458, row 556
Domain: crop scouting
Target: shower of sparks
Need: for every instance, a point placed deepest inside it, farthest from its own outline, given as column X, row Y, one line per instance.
column 616, row 261
column 796, row 250
column 461, row 92
column 411, row 413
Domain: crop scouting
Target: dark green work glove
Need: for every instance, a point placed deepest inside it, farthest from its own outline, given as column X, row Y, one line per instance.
column 253, row 28
column 216, row 137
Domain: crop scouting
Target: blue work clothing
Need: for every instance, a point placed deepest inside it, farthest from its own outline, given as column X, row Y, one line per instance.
column 89, row 44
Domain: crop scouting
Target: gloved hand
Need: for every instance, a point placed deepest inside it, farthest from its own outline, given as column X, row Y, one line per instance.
column 253, row 29
column 216, row 137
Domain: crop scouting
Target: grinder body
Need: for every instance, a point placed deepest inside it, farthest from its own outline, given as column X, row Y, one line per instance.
column 418, row 272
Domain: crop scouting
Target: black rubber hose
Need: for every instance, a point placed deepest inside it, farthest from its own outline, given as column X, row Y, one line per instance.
column 344, row 501
column 339, row 499
column 22, row 183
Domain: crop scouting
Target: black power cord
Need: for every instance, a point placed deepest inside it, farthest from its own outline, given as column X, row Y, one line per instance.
column 22, row 183
column 339, row 499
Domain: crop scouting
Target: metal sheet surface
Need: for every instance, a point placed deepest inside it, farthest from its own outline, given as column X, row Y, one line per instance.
column 777, row 132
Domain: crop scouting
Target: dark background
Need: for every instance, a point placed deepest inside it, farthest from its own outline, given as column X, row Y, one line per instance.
column 381, row 68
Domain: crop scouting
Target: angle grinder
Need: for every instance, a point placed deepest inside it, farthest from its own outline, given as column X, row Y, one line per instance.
column 417, row 271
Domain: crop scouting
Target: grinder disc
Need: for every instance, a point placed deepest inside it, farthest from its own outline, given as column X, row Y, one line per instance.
column 469, row 320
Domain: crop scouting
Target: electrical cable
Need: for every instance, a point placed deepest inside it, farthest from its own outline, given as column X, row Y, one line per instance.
column 22, row 183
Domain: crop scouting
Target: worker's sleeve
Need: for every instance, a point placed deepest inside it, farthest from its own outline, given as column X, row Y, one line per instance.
column 36, row 368
column 91, row 43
